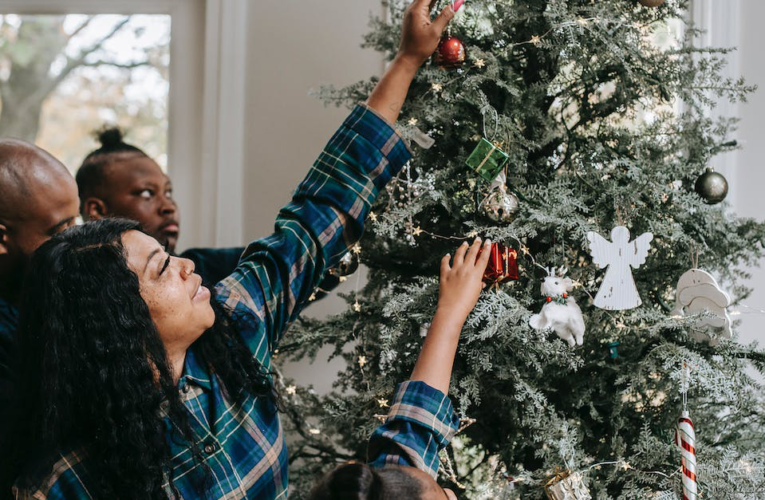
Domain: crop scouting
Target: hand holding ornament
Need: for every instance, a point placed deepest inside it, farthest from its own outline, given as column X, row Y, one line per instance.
column 421, row 35
column 461, row 281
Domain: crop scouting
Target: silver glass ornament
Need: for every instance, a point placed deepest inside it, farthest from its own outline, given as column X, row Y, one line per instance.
column 712, row 187
column 347, row 265
column 501, row 206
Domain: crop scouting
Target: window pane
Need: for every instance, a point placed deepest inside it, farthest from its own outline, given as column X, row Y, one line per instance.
column 64, row 77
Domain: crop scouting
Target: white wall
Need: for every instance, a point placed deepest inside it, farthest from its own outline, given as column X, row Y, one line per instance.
column 737, row 23
column 294, row 46
column 749, row 177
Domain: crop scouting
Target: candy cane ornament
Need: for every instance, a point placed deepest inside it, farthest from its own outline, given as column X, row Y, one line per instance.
column 685, row 439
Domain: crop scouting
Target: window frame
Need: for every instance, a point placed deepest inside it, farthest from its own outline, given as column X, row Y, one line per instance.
column 205, row 104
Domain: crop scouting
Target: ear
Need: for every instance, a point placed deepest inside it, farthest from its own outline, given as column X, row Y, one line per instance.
column 569, row 284
column 3, row 240
column 93, row 209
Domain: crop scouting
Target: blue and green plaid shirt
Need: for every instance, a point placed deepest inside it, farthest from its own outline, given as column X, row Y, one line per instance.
column 243, row 443
column 420, row 423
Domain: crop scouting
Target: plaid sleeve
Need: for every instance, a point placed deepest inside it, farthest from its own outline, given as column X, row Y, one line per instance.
column 278, row 274
column 421, row 422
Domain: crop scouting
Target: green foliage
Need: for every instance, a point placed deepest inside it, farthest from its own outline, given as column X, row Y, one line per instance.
column 602, row 127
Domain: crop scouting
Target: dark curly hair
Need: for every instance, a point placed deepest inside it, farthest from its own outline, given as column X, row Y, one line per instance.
column 95, row 371
column 355, row 481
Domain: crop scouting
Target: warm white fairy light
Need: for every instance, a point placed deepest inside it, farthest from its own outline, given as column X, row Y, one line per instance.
column 291, row 389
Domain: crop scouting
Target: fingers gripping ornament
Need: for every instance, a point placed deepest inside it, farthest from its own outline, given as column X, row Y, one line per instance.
column 561, row 313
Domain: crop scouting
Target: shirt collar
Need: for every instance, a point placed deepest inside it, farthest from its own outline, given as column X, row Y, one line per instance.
column 194, row 372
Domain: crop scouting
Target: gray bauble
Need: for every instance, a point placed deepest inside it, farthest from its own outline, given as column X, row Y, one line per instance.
column 347, row 265
column 712, row 187
column 501, row 206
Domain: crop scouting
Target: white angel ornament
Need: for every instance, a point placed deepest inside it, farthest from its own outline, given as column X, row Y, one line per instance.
column 618, row 291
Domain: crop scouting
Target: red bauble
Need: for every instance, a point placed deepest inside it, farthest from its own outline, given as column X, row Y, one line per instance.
column 503, row 265
column 451, row 53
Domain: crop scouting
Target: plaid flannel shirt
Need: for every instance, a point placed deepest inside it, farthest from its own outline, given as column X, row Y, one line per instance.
column 421, row 422
column 243, row 444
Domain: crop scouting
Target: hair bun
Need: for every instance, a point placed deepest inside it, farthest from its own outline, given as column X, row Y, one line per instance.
column 110, row 138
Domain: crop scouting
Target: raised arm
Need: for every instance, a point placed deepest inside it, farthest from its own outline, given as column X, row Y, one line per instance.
column 418, row 42
column 325, row 218
column 421, row 420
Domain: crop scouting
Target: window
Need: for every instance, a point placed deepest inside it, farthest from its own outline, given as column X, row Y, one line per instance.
column 64, row 76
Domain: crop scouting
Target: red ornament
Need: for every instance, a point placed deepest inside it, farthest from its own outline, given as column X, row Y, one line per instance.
column 451, row 53
column 549, row 299
column 503, row 265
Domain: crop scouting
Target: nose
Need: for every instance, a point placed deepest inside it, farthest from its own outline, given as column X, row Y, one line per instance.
column 167, row 205
column 187, row 268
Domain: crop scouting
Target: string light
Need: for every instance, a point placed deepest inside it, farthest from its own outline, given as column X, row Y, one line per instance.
column 383, row 403
column 436, row 87
column 480, row 63
column 412, row 121
column 362, row 361
column 291, row 389
column 314, row 431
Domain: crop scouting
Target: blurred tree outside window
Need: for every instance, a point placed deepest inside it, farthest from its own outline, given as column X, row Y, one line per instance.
column 64, row 77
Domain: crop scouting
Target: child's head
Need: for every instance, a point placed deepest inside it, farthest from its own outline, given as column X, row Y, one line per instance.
column 355, row 481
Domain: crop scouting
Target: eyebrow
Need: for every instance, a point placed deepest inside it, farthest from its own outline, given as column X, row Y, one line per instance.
column 151, row 256
column 64, row 222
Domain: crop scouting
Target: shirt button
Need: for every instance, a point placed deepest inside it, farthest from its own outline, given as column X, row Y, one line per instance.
column 210, row 448
column 186, row 388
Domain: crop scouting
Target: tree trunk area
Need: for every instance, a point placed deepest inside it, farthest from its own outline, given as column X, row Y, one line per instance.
column 41, row 41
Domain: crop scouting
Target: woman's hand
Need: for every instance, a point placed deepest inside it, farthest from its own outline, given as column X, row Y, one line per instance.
column 461, row 282
column 419, row 40
column 421, row 35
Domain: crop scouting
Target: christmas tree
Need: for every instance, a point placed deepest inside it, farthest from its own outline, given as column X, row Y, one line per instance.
column 603, row 116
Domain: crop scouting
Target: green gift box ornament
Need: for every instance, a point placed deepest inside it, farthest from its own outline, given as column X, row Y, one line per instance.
column 487, row 159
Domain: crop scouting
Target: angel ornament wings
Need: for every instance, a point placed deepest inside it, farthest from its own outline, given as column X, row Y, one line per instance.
column 618, row 291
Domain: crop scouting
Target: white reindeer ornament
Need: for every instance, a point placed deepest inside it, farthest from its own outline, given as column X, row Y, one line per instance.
column 618, row 291
column 560, row 313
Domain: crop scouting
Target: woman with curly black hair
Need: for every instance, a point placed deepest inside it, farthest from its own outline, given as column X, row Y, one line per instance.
column 141, row 383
